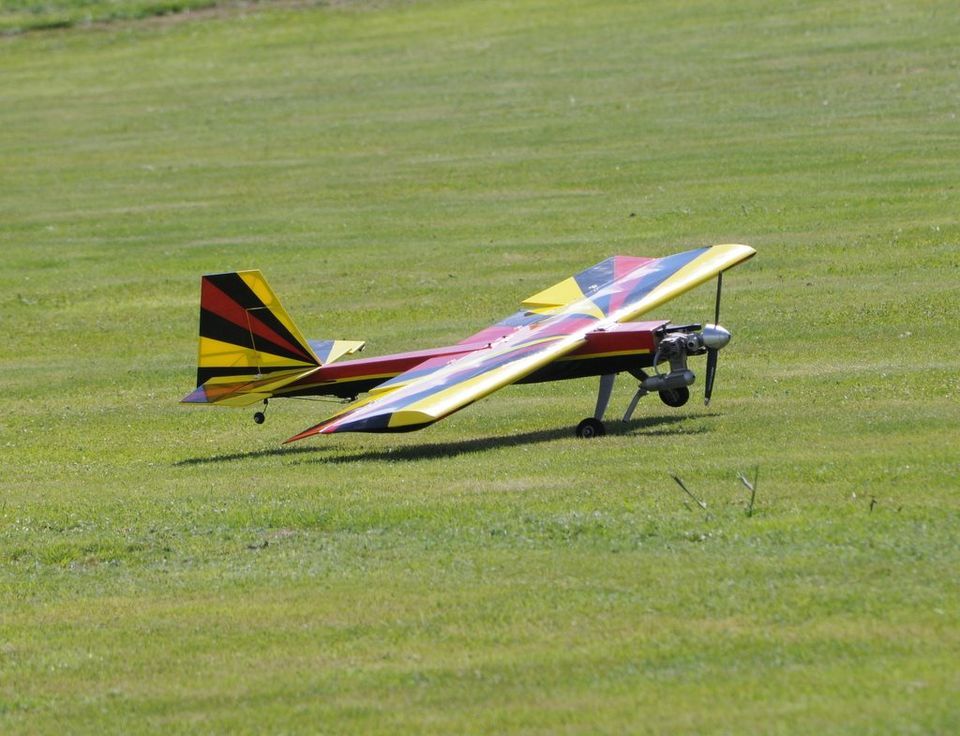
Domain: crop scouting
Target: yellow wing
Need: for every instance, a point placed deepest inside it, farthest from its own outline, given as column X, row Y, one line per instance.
column 619, row 289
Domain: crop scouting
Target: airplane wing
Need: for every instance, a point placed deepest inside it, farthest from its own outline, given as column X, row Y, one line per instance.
column 553, row 323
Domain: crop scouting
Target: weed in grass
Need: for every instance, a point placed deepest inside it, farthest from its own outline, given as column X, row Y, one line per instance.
column 750, row 486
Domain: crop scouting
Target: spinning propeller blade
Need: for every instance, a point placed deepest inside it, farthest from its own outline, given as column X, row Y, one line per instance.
column 713, row 353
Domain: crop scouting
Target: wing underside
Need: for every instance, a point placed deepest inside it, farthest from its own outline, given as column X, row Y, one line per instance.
column 553, row 323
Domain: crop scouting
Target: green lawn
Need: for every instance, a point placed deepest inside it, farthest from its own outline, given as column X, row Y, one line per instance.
column 406, row 173
column 19, row 16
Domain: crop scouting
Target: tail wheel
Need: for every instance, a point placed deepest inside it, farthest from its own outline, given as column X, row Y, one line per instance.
column 589, row 428
column 259, row 417
column 675, row 397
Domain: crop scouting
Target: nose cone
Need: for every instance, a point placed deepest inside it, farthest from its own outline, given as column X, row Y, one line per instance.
column 715, row 336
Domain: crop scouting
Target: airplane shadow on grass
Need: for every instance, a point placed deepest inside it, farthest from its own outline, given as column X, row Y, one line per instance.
column 644, row 427
column 662, row 426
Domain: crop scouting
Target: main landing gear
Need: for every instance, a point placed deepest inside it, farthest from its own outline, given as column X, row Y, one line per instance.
column 674, row 393
column 261, row 416
column 593, row 426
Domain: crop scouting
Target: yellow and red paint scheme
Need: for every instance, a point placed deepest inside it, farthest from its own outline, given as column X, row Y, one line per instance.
column 250, row 350
column 624, row 347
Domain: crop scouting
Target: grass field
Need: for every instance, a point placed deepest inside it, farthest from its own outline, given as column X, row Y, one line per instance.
column 406, row 173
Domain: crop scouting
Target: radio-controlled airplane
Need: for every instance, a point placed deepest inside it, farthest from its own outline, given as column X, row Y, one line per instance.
column 251, row 351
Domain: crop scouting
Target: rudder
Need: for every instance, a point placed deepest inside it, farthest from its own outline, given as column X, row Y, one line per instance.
column 245, row 331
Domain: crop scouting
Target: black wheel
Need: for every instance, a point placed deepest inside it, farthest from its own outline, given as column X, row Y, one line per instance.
column 590, row 427
column 259, row 417
column 675, row 397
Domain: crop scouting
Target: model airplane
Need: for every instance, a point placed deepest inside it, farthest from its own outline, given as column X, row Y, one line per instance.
column 251, row 351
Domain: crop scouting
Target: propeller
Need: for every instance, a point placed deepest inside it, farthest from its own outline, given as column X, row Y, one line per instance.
column 714, row 337
column 712, row 354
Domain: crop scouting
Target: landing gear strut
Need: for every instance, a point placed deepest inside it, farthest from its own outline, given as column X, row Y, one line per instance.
column 593, row 426
column 261, row 416
column 641, row 392
column 675, row 397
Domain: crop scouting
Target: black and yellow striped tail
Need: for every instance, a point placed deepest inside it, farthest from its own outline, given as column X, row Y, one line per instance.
column 249, row 346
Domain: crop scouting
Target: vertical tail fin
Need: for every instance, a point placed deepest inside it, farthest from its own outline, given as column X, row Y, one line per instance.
column 247, row 340
column 249, row 346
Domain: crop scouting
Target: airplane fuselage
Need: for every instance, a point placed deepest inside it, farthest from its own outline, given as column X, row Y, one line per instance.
column 623, row 347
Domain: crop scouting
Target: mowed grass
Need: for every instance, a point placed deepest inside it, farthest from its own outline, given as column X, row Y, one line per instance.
column 21, row 16
column 406, row 174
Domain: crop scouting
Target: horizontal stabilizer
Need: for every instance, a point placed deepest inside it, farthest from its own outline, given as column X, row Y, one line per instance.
column 328, row 351
column 243, row 390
